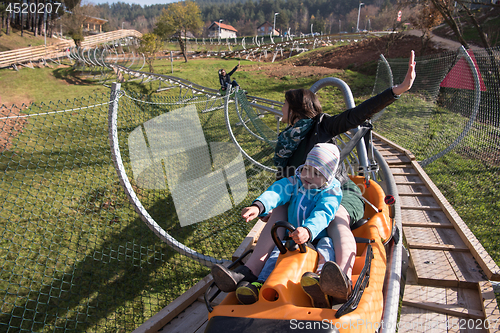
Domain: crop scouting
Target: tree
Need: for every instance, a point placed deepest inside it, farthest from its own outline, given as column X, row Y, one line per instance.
column 447, row 10
column 425, row 17
column 178, row 19
column 150, row 44
column 73, row 21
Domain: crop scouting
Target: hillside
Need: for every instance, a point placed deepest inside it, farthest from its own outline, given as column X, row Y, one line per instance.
column 15, row 41
column 361, row 56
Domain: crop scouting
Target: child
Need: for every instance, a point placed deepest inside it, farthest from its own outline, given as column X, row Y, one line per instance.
column 314, row 196
column 225, row 78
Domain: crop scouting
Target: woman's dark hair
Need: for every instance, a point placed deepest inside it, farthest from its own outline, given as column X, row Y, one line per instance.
column 303, row 103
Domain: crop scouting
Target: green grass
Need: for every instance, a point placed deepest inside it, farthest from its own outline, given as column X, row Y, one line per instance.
column 45, row 85
column 251, row 77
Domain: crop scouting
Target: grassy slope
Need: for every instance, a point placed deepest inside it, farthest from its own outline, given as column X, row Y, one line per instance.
column 44, row 85
column 15, row 41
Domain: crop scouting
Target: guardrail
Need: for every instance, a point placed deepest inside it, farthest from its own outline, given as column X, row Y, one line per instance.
column 42, row 52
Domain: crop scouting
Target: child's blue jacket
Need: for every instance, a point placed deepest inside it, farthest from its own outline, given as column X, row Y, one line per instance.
column 312, row 209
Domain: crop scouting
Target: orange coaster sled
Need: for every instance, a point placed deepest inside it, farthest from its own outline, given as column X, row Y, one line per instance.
column 283, row 306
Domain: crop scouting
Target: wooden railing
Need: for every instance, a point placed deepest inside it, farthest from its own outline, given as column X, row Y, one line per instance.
column 42, row 52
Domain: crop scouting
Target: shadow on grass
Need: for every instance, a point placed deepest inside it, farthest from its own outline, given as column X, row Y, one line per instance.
column 117, row 285
column 70, row 75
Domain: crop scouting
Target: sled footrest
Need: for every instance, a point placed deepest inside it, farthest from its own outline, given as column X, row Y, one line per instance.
column 359, row 287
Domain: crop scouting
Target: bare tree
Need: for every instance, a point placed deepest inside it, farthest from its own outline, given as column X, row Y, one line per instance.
column 425, row 17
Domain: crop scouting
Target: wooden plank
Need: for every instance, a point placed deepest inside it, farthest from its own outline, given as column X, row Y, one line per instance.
column 415, row 194
column 395, row 154
column 394, row 145
column 397, row 160
column 466, row 269
column 173, row 309
column 420, row 235
column 431, row 216
column 397, row 174
column 202, row 328
column 410, row 183
column 418, row 200
column 489, row 266
column 403, row 170
column 402, row 178
column 249, row 240
column 445, row 308
column 412, row 189
column 441, row 247
column 195, row 316
column 490, row 306
column 432, row 268
column 455, row 252
column 427, row 225
column 414, row 319
column 426, row 208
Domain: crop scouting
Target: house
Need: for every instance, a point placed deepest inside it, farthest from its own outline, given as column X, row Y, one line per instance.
column 93, row 25
column 217, row 29
column 265, row 29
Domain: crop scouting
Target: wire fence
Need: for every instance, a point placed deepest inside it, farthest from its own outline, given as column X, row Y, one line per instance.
column 75, row 256
column 451, row 123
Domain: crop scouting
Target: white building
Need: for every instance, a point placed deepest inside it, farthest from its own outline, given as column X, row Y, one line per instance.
column 224, row 30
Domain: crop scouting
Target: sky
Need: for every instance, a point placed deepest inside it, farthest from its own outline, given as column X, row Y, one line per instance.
column 139, row 2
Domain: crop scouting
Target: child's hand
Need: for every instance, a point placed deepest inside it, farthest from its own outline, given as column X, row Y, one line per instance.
column 249, row 213
column 410, row 77
column 300, row 235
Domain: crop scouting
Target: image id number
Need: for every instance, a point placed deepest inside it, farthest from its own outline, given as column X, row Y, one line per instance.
column 33, row 8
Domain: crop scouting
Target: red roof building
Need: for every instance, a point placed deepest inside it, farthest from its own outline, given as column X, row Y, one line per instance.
column 217, row 29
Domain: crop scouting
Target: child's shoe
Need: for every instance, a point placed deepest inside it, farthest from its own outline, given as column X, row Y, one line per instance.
column 248, row 292
column 310, row 285
column 227, row 280
column 335, row 283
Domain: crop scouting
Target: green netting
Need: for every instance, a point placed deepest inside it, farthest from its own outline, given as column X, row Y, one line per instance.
column 451, row 123
column 187, row 173
column 75, row 256
column 247, row 114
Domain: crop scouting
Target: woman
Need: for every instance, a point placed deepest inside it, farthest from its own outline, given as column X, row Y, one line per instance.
column 308, row 126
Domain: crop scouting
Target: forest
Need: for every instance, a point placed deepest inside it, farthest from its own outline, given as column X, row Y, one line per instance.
column 289, row 16
column 324, row 16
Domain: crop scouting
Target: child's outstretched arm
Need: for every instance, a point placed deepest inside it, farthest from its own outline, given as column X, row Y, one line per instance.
column 249, row 213
column 410, row 77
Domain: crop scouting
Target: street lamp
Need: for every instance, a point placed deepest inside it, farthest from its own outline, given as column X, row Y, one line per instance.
column 359, row 10
column 274, row 24
column 219, row 26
